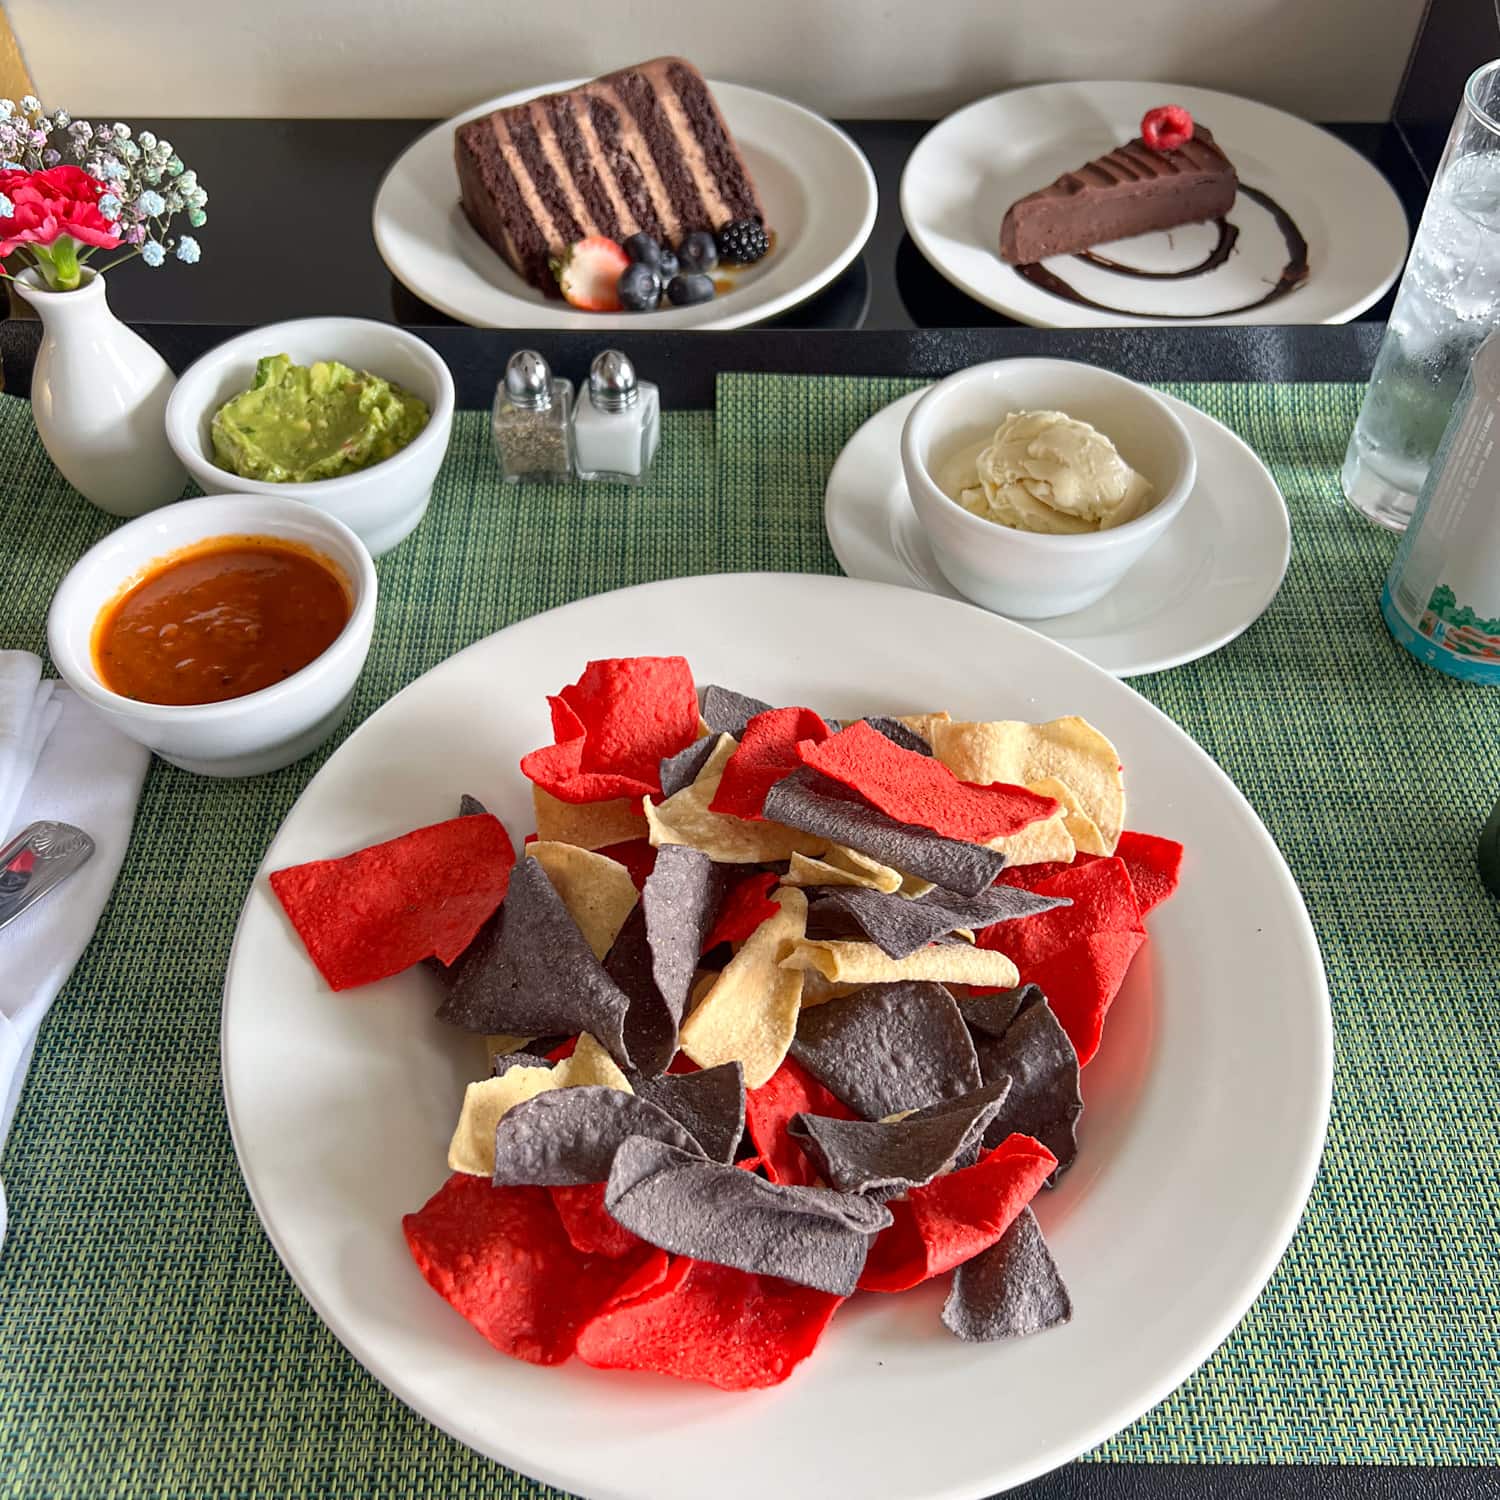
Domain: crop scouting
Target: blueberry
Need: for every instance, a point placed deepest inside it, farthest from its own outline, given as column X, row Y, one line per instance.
column 643, row 250
column 639, row 288
column 667, row 266
column 684, row 291
column 698, row 252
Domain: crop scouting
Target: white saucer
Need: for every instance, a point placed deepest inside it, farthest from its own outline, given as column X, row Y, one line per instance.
column 818, row 189
column 968, row 169
column 1207, row 580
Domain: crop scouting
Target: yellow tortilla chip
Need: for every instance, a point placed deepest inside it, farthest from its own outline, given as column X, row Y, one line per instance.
column 925, row 724
column 1070, row 749
column 472, row 1148
column 864, row 963
column 749, row 1014
column 840, row 866
column 597, row 890
column 684, row 818
column 590, row 825
column 1081, row 828
column 1038, row 842
column 816, row 989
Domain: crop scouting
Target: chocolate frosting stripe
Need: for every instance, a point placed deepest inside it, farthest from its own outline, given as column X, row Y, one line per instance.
column 523, row 240
column 574, row 151
column 640, row 99
column 724, row 163
column 605, row 118
column 547, row 138
column 543, row 179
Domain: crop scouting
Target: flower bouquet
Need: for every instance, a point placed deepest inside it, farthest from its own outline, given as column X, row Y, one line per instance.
column 69, row 189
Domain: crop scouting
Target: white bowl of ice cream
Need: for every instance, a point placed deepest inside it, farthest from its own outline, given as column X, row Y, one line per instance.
column 1041, row 482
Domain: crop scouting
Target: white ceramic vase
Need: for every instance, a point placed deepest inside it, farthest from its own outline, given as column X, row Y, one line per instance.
column 99, row 394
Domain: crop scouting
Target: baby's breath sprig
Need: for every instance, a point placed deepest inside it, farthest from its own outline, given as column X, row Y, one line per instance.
column 146, row 187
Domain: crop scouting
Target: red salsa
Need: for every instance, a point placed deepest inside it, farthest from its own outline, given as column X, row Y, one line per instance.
column 225, row 617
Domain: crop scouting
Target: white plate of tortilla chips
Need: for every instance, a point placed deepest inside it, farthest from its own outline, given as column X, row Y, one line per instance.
column 1204, row 1105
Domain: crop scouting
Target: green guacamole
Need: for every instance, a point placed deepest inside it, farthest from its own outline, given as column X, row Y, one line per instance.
column 303, row 422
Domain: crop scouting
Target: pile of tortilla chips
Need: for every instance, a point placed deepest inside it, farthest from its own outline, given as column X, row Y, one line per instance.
column 775, row 1011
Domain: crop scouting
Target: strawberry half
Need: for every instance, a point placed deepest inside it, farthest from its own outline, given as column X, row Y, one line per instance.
column 1168, row 127
column 589, row 273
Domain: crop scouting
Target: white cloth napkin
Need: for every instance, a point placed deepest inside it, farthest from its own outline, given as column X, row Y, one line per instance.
column 58, row 759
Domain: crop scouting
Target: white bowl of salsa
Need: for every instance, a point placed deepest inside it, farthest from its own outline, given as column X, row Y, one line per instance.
column 381, row 503
column 226, row 634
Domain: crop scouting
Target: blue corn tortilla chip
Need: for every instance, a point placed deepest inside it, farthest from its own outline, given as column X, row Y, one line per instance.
column 899, row 925
column 471, row 807
column 899, row 733
column 889, row 1047
column 533, row 973
column 569, row 1137
column 1010, row 1290
column 655, row 954
column 680, row 770
column 523, row 1059
column 687, row 1206
column 727, row 712
column 708, row 1104
column 1016, row 1035
column 815, row 804
column 862, row 1156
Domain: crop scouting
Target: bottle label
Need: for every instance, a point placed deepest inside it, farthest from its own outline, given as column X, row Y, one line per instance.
column 1442, row 596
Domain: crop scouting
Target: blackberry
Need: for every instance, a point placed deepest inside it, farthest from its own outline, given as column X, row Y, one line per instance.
column 743, row 242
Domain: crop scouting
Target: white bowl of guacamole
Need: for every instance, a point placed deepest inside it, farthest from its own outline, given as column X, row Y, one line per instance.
column 346, row 414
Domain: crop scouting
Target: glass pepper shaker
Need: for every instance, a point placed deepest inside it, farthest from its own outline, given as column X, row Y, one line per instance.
column 616, row 430
column 530, row 421
column 1489, row 853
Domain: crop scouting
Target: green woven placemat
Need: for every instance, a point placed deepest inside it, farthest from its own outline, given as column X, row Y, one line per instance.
column 1378, row 1339
column 150, row 1343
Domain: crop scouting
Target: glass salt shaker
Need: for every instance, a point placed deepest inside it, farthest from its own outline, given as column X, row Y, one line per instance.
column 530, row 421
column 617, row 429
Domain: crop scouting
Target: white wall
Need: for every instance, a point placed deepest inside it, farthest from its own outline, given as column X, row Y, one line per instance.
column 1323, row 59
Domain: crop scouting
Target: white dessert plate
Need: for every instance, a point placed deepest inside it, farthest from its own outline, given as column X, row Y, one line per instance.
column 1206, row 1107
column 817, row 187
column 972, row 166
column 1210, row 576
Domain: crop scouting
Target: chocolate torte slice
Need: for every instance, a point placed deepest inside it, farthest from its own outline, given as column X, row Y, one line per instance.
column 644, row 149
column 1131, row 190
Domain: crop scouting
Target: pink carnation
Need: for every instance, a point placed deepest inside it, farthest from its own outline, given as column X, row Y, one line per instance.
column 61, row 200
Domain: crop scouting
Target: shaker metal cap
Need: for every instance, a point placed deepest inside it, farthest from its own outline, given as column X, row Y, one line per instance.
column 612, row 383
column 528, row 381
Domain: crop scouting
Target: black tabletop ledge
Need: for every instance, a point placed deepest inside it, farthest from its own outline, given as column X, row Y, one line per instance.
column 1101, row 1481
column 685, row 365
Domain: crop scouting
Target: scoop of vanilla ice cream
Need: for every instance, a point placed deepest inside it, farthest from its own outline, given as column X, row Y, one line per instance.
column 1046, row 471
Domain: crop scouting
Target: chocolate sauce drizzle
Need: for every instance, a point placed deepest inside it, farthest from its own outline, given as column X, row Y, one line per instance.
column 1293, row 273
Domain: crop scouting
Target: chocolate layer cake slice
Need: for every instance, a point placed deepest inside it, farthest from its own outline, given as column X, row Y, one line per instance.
column 1131, row 190
column 644, row 149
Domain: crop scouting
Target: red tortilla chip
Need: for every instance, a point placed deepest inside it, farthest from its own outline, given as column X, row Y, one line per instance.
column 1103, row 901
column 953, row 1218
column 744, row 909
column 637, row 855
column 1081, row 983
column 767, row 752
column 790, row 1090
column 563, row 1050
column 715, row 1325
column 500, row 1258
column 382, row 909
column 1155, row 866
column 920, row 789
column 586, row 1223
column 634, row 712
column 613, row 727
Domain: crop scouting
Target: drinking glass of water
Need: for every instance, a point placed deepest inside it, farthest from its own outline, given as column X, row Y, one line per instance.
column 1448, row 301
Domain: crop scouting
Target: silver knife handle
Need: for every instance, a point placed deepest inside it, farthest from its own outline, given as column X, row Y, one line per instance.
column 40, row 857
